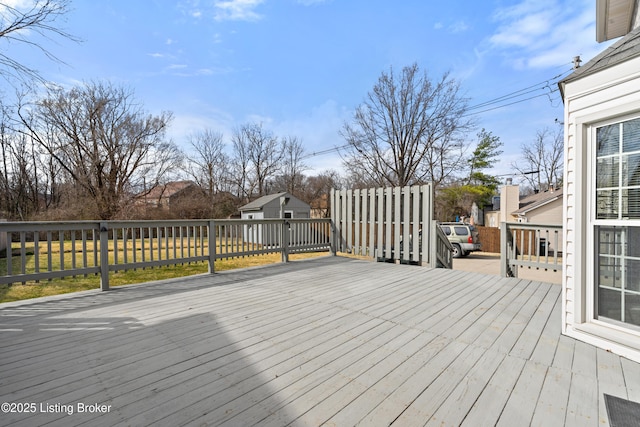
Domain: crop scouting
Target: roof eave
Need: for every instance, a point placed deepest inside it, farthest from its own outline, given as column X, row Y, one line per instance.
column 614, row 18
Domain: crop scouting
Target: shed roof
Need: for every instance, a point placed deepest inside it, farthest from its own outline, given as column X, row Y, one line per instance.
column 259, row 203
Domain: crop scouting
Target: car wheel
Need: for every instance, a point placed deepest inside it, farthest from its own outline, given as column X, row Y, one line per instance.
column 457, row 251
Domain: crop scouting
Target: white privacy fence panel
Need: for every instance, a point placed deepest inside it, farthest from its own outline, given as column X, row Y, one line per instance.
column 385, row 223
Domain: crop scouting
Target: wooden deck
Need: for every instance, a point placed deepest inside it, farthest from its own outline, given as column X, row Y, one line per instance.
column 331, row 341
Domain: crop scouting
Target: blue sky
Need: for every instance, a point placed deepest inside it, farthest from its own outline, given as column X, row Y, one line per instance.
column 301, row 67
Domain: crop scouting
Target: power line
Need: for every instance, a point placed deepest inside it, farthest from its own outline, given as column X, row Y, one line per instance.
column 328, row 150
column 511, row 103
column 543, row 85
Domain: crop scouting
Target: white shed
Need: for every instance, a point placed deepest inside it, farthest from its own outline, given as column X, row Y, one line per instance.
column 279, row 205
column 273, row 206
column 601, row 271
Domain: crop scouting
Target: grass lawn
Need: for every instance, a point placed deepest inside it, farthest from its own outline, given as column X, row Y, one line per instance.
column 28, row 290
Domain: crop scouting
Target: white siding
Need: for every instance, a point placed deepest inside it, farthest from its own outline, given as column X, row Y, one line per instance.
column 606, row 95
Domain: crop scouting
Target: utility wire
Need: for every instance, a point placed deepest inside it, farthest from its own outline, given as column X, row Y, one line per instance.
column 546, row 84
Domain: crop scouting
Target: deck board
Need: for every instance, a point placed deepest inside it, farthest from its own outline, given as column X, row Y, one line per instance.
column 331, row 341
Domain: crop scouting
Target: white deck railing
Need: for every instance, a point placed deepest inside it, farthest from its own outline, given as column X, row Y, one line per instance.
column 533, row 246
column 442, row 249
column 48, row 250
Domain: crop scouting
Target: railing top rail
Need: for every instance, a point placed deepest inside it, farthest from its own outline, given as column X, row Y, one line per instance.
column 156, row 223
column 272, row 220
column 529, row 225
column 88, row 225
column 48, row 226
column 443, row 239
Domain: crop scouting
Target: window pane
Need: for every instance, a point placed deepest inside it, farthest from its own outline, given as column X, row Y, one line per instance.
column 461, row 231
column 610, row 241
column 607, row 172
column 633, row 242
column 632, row 309
column 633, row 275
column 609, row 303
column 631, row 203
column 609, row 272
column 608, row 140
column 607, row 204
column 617, row 289
column 631, row 135
column 631, row 170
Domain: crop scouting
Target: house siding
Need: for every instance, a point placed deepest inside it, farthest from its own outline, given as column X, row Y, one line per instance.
column 550, row 213
column 608, row 94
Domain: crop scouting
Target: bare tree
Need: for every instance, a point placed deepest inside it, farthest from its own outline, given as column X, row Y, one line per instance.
column 240, row 165
column 104, row 141
column 317, row 189
column 293, row 165
column 408, row 131
column 541, row 163
column 208, row 164
column 258, row 155
column 19, row 24
column 19, row 176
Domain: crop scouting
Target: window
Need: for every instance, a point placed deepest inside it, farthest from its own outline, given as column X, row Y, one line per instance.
column 618, row 171
column 616, row 226
column 461, row 231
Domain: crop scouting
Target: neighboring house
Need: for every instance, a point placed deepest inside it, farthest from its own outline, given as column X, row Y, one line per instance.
column 273, row 206
column 601, row 271
column 165, row 196
column 177, row 199
column 539, row 208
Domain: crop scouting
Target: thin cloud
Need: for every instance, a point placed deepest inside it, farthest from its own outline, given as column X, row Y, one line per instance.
column 543, row 34
column 312, row 2
column 458, row 27
column 237, row 10
column 455, row 28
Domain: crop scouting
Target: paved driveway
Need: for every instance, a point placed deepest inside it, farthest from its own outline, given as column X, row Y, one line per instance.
column 489, row 263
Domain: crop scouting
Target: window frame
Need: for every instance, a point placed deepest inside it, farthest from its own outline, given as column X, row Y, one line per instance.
column 594, row 224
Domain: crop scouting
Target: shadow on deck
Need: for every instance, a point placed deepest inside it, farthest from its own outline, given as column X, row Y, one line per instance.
column 326, row 341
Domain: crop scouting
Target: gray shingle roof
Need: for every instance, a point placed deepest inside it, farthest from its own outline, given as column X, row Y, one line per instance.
column 626, row 48
column 537, row 200
column 259, row 203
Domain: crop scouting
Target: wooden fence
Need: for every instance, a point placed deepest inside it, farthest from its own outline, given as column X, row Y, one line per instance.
column 389, row 224
column 489, row 238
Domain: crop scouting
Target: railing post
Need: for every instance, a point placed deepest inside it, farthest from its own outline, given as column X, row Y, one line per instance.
column 285, row 240
column 212, row 246
column 104, row 256
column 433, row 244
column 504, row 259
column 334, row 238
